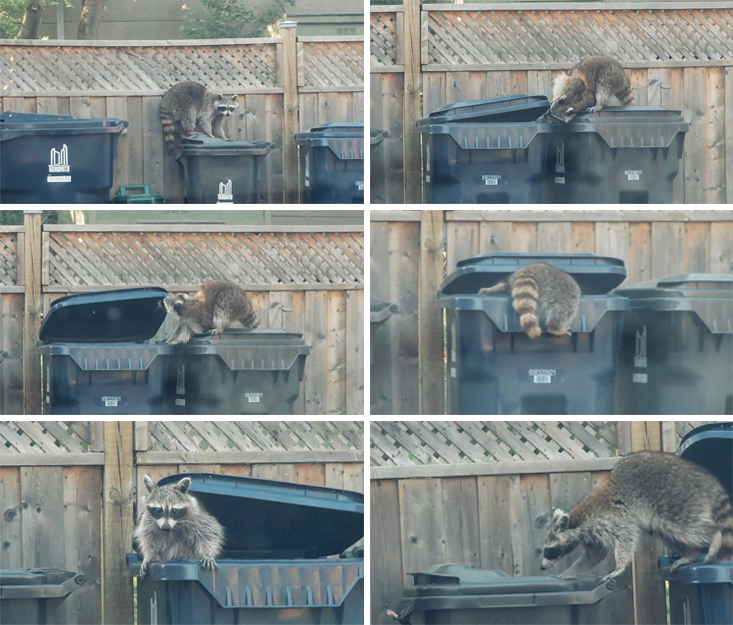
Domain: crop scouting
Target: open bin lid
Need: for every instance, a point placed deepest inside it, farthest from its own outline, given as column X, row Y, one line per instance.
column 596, row 275
column 711, row 446
column 266, row 519
column 125, row 315
column 38, row 583
column 516, row 108
column 203, row 145
column 708, row 295
column 14, row 125
column 630, row 126
column 344, row 139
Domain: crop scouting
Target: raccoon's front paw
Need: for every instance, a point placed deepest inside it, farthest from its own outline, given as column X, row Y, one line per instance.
column 143, row 570
column 208, row 564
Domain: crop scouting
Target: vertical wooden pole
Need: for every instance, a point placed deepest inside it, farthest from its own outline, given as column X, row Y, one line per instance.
column 412, row 108
column 649, row 600
column 118, row 521
column 291, row 112
column 430, row 337
column 32, row 312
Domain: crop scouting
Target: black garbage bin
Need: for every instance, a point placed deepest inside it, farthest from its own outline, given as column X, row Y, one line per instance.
column 456, row 594
column 275, row 567
column 703, row 593
column 31, row 597
column 216, row 171
column 486, row 151
column 252, row 372
column 619, row 155
column 495, row 368
column 48, row 159
column 97, row 358
column 331, row 160
column 677, row 349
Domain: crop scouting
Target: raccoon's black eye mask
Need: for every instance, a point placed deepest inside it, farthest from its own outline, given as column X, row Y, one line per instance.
column 156, row 513
column 175, row 513
column 551, row 553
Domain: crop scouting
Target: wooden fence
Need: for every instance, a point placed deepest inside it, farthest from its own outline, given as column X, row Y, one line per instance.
column 676, row 56
column 68, row 489
column 283, row 86
column 308, row 280
column 493, row 514
column 411, row 252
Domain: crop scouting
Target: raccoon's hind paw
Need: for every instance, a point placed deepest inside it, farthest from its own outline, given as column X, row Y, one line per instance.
column 208, row 564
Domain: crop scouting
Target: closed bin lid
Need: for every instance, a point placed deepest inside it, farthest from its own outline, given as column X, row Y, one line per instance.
column 380, row 311
column 630, row 126
column 595, row 275
column 516, row 108
column 125, row 315
column 344, row 139
column 708, row 295
column 14, row 125
column 267, row 519
column 38, row 583
column 263, row 349
column 203, row 145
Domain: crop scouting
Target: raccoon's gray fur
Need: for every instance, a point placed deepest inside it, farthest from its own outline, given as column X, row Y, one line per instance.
column 543, row 296
column 589, row 86
column 211, row 310
column 188, row 107
column 666, row 496
column 173, row 525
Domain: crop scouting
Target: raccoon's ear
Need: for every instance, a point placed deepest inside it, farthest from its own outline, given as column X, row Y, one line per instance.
column 564, row 522
column 149, row 484
column 570, row 110
column 184, row 485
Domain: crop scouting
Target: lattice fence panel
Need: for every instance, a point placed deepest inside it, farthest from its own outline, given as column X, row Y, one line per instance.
column 519, row 35
column 408, row 443
column 44, row 437
column 8, row 259
column 121, row 69
column 158, row 258
column 333, row 64
column 256, row 436
column 384, row 35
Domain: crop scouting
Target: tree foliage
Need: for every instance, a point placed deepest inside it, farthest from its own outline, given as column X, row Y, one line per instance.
column 11, row 16
column 16, row 217
column 230, row 19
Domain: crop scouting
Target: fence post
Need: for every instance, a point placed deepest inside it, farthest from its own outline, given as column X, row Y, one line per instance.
column 411, row 110
column 430, row 315
column 291, row 108
column 119, row 497
column 649, row 600
column 32, row 390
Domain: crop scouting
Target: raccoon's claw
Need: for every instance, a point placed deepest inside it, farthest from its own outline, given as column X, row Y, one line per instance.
column 208, row 564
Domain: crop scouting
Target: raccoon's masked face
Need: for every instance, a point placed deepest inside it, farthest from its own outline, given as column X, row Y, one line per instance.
column 226, row 104
column 166, row 516
column 175, row 303
column 558, row 540
column 561, row 110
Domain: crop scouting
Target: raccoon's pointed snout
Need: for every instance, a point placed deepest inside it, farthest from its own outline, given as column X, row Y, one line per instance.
column 166, row 527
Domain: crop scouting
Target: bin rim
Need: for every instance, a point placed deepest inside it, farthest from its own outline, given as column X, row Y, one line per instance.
column 699, row 572
column 44, row 591
column 203, row 145
column 719, row 430
column 66, row 127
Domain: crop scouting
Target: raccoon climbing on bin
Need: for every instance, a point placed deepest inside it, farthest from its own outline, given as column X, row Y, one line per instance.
column 589, row 86
column 188, row 108
column 544, row 296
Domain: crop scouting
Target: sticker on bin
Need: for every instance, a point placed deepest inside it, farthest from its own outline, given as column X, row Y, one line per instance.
column 542, row 376
column 359, row 185
column 59, row 165
column 633, row 174
column 491, row 179
column 225, row 195
column 109, row 401
column 254, row 398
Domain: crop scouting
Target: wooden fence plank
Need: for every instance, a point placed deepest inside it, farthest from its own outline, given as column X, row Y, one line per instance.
column 11, row 527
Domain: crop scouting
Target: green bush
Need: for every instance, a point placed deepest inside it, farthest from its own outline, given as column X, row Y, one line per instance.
column 230, row 19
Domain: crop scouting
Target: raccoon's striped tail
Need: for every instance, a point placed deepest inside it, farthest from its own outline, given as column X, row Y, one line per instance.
column 725, row 523
column 625, row 96
column 525, row 296
column 169, row 129
column 250, row 320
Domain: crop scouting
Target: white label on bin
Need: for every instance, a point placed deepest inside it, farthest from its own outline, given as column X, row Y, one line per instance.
column 225, row 192
column 59, row 164
column 639, row 378
column 110, row 401
column 491, row 179
column 453, row 372
column 307, row 183
column 633, row 174
column 427, row 178
column 542, row 376
column 559, row 180
column 359, row 185
column 254, row 398
column 58, row 179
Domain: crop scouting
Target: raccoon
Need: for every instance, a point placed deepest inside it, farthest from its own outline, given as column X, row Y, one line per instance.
column 173, row 525
column 589, row 86
column 211, row 310
column 542, row 295
column 666, row 496
column 188, row 107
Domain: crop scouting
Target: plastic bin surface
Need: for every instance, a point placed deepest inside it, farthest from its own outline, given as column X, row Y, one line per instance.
column 621, row 154
column 453, row 594
column 677, row 350
column 332, row 163
column 216, row 171
column 238, row 372
column 56, row 158
column 273, row 568
column 495, row 368
column 32, row 597
column 486, row 151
